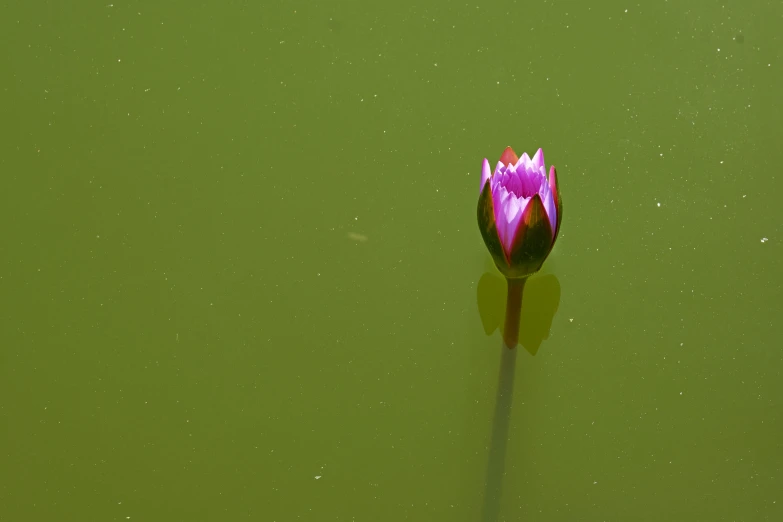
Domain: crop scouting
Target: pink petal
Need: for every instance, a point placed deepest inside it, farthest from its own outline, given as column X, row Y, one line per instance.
column 553, row 183
column 548, row 199
column 508, row 212
column 524, row 161
column 538, row 161
column 485, row 174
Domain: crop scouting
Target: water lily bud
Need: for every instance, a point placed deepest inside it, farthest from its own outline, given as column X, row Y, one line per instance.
column 519, row 212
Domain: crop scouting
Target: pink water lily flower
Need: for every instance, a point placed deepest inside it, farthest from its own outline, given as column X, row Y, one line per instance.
column 519, row 212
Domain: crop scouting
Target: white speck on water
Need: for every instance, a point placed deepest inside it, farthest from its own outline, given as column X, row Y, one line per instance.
column 764, row 239
column 680, row 393
column 571, row 319
column 317, row 477
column 659, row 204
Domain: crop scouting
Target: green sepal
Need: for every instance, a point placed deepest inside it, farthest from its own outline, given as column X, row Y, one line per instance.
column 532, row 240
column 558, row 197
column 489, row 232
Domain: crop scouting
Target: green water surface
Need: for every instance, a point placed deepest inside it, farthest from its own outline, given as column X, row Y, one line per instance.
column 241, row 276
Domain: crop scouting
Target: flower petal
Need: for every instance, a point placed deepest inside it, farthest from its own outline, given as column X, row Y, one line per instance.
column 557, row 197
column 549, row 205
column 511, row 210
column 499, row 203
column 529, row 183
column 538, row 161
column 485, row 174
column 524, row 162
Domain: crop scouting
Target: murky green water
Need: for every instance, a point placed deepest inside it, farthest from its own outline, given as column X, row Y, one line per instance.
column 242, row 279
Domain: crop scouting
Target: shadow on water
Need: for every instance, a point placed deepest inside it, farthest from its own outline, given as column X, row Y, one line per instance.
column 541, row 300
column 538, row 298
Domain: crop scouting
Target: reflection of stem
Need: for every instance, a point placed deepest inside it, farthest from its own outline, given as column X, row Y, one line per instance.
column 497, row 449
column 513, row 311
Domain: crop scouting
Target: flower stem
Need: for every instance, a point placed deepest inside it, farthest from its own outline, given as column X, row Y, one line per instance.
column 513, row 311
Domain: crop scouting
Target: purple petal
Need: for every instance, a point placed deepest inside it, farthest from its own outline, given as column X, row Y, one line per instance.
column 498, row 193
column 553, row 183
column 548, row 199
column 514, row 211
column 513, row 183
column 485, row 174
column 538, row 162
column 523, row 162
column 508, row 211
column 530, row 184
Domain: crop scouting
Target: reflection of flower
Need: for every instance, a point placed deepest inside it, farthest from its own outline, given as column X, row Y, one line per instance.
column 519, row 212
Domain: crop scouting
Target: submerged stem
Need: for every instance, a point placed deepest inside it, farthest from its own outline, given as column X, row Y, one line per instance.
column 513, row 311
